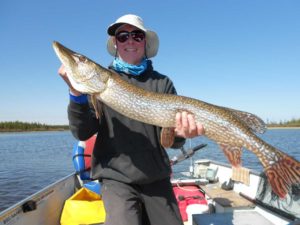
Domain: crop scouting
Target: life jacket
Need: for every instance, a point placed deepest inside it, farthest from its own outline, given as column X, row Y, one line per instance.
column 82, row 154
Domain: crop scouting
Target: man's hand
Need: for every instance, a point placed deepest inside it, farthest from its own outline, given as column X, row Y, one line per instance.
column 62, row 72
column 186, row 126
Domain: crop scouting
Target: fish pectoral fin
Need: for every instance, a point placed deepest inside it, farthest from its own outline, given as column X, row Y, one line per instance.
column 96, row 106
column 232, row 153
column 167, row 136
column 255, row 123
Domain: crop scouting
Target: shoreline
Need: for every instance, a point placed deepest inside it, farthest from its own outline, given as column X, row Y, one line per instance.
column 24, row 131
column 282, row 128
column 45, row 130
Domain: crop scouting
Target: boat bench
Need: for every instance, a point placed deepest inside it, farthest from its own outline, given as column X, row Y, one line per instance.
column 231, row 218
column 226, row 199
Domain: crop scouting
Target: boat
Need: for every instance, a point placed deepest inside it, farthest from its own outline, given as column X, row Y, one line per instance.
column 211, row 193
column 246, row 200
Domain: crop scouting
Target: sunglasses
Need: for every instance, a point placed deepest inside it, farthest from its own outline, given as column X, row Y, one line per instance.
column 136, row 35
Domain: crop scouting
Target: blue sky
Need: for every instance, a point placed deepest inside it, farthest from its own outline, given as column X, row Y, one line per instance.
column 239, row 54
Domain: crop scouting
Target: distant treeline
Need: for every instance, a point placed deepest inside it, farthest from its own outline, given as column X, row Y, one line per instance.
column 15, row 126
column 290, row 123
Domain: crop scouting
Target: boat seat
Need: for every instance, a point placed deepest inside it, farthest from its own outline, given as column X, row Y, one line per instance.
column 233, row 218
column 226, row 199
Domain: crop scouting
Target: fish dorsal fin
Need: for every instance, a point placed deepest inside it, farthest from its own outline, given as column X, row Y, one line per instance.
column 232, row 153
column 254, row 122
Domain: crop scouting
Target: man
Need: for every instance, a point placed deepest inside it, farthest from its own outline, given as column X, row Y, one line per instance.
column 128, row 158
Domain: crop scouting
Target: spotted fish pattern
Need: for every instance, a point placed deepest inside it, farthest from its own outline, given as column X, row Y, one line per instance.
column 232, row 129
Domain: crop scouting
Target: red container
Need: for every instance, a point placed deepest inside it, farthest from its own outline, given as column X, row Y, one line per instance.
column 89, row 147
column 188, row 195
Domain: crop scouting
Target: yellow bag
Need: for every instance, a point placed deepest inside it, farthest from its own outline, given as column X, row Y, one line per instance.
column 84, row 207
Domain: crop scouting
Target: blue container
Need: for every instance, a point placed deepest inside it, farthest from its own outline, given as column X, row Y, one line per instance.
column 93, row 186
column 78, row 161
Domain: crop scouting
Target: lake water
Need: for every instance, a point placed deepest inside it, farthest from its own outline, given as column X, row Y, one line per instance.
column 31, row 161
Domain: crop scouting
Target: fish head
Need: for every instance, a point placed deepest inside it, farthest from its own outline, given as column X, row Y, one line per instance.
column 85, row 75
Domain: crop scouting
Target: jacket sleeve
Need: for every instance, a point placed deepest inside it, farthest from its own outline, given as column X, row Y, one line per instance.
column 82, row 120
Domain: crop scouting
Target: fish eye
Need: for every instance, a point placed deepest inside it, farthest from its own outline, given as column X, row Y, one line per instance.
column 82, row 58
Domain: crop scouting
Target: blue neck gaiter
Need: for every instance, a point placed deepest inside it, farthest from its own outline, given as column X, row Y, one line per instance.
column 120, row 66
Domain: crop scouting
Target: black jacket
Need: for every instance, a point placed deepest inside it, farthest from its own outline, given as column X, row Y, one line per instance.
column 125, row 150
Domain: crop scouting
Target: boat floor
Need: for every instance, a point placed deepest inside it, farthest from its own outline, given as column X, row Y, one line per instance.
column 225, row 198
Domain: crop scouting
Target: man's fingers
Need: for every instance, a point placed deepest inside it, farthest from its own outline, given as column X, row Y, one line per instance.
column 62, row 72
column 191, row 124
column 184, row 121
column 178, row 120
column 186, row 125
column 200, row 129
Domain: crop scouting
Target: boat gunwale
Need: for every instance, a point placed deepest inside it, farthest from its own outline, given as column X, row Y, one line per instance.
column 37, row 196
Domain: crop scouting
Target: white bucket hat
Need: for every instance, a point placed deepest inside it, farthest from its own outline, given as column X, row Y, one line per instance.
column 152, row 41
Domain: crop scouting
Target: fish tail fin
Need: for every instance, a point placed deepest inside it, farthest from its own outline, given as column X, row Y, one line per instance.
column 283, row 173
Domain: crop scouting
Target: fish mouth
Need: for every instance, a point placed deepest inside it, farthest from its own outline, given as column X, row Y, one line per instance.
column 71, row 59
column 65, row 55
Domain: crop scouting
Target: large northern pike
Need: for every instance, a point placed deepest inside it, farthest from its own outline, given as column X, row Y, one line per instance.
column 230, row 128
